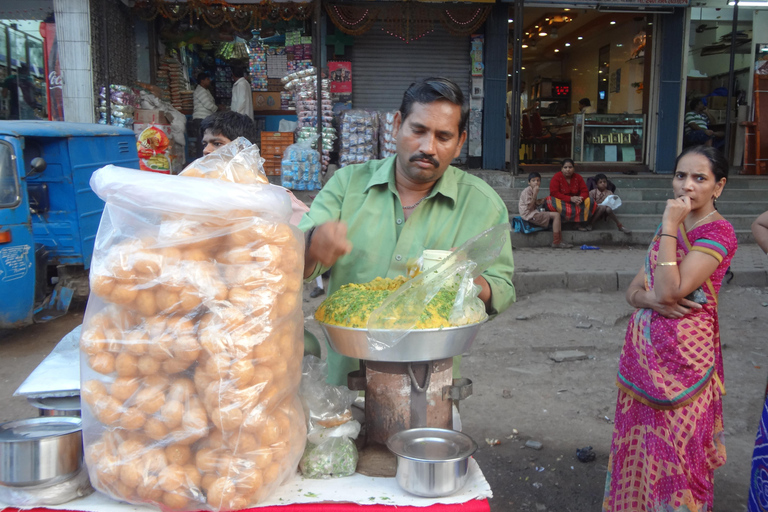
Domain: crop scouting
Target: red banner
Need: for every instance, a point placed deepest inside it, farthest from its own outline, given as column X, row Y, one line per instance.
column 340, row 73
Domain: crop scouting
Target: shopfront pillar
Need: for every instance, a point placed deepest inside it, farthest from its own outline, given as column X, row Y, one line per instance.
column 494, row 108
column 73, row 32
column 668, row 135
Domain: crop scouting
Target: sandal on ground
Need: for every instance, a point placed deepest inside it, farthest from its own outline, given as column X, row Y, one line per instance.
column 561, row 245
column 625, row 230
column 589, row 228
column 582, row 228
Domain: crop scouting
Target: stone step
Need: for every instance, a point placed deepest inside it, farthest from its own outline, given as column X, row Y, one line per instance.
column 659, row 181
column 657, row 207
column 651, row 222
column 726, row 208
column 656, row 194
column 601, row 237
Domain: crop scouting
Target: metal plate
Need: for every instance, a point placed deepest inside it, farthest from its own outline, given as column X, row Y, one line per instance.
column 66, row 403
column 432, row 445
column 417, row 345
column 38, row 428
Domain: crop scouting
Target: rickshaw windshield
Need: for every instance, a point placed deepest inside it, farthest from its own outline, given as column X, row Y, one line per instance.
column 9, row 182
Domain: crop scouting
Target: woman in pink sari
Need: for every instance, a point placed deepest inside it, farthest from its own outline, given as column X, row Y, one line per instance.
column 668, row 434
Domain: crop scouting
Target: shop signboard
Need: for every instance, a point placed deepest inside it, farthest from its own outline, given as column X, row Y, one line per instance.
column 53, row 78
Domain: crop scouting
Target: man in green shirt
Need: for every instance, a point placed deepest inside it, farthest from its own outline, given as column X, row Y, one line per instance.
column 371, row 219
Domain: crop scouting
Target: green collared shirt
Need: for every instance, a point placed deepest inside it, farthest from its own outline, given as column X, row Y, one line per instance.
column 459, row 207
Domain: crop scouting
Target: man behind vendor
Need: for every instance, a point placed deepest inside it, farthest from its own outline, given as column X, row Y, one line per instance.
column 370, row 219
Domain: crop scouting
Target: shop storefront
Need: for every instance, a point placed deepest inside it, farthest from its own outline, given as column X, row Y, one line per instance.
column 589, row 83
column 714, row 35
column 22, row 70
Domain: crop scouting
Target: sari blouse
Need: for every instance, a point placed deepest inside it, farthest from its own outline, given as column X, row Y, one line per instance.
column 666, row 362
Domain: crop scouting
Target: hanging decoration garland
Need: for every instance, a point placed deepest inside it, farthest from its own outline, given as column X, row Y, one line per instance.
column 352, row 20
column 464, row 20
column 217, row 12
column 408, row 21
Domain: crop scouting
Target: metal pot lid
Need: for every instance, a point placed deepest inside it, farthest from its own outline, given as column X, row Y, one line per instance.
column 37, row 428
column 64, row 403
column 432, row 445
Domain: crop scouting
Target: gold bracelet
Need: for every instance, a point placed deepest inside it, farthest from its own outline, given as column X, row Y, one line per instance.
column 666, row 263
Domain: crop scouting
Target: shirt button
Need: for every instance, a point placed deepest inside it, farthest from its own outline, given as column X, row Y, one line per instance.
column 398, row 257
column 399, row 221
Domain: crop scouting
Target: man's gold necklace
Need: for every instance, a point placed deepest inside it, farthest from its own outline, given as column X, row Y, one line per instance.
column 417, row 203
column 702, row 219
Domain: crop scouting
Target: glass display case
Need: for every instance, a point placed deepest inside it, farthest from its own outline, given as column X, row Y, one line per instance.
column 618, row 138
column 609, row 138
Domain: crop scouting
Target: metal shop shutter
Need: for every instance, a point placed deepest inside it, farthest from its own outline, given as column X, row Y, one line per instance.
column 383, row 66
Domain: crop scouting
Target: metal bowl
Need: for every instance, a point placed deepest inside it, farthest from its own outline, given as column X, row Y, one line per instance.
column 40, row 451
column 417, row 345
column 431, row 462
column 57, row 406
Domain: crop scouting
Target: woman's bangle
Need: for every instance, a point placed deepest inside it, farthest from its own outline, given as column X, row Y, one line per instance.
column 665, row 234
column 666, row 263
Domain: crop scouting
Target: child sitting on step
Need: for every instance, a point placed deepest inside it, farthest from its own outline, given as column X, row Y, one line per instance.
column 527, row 208
column 598, row 195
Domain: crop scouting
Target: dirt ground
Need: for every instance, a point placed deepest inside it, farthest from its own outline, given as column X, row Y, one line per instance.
column 521, row 394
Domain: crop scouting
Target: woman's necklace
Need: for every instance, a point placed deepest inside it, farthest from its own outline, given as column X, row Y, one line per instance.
column 417, row 203
column 702, row 219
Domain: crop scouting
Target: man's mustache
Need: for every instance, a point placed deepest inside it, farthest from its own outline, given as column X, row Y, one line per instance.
column 424, row 156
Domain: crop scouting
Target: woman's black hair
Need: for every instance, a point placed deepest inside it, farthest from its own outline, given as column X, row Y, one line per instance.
column 694, row 103
column 435, row 89
column 532, row 175
column 600, row 176
column 565, row 161
column 718, row 164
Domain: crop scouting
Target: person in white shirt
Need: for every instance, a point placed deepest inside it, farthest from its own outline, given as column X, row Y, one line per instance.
column 204, row 105
column 242, row 98
column 585, row 107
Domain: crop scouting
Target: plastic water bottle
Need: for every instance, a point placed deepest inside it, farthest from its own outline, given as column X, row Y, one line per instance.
column 589, row 248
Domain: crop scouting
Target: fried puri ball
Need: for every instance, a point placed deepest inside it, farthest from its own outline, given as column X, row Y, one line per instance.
column 103, row 363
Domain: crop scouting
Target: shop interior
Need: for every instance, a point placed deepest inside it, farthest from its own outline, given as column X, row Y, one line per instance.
column 22, row 71
column 572, row 54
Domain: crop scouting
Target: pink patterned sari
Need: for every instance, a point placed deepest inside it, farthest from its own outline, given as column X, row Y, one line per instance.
column 668, row 433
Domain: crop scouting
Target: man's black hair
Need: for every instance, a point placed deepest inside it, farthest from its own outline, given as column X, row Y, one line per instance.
column 585, row 102
column 532, row 175
column 435, row 89
column 231, row 125
column 201, row 76
column 238, row 71
column 600, row 176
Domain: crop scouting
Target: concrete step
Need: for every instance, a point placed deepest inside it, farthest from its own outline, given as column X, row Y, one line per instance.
column 724, row 207
column 651, row 221
column 655, row 194
column 657, row 181
column 601, row 237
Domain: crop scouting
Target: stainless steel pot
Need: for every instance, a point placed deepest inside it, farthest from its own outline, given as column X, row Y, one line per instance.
column 431, row 462
column 40, row 451
column 57, row 406
column 417, row 345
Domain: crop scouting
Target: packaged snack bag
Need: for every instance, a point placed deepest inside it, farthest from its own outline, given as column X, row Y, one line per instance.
column 192, row 342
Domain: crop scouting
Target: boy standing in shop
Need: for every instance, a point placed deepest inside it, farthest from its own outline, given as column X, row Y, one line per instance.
column 527, row 208
column 598, row 195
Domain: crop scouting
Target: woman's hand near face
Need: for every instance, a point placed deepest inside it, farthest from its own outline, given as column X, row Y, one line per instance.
column 675, row 213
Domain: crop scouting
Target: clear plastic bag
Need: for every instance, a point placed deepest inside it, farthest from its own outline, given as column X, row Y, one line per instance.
column 192, row 340
column 301, row 166
column 359, row 137
column 238, row 162
column 400, row 312
column 330, row 452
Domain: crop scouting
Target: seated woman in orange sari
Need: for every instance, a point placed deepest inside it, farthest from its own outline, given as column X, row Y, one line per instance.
column 668, row 433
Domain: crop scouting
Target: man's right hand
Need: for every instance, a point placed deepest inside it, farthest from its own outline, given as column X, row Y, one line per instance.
column 328, row 244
